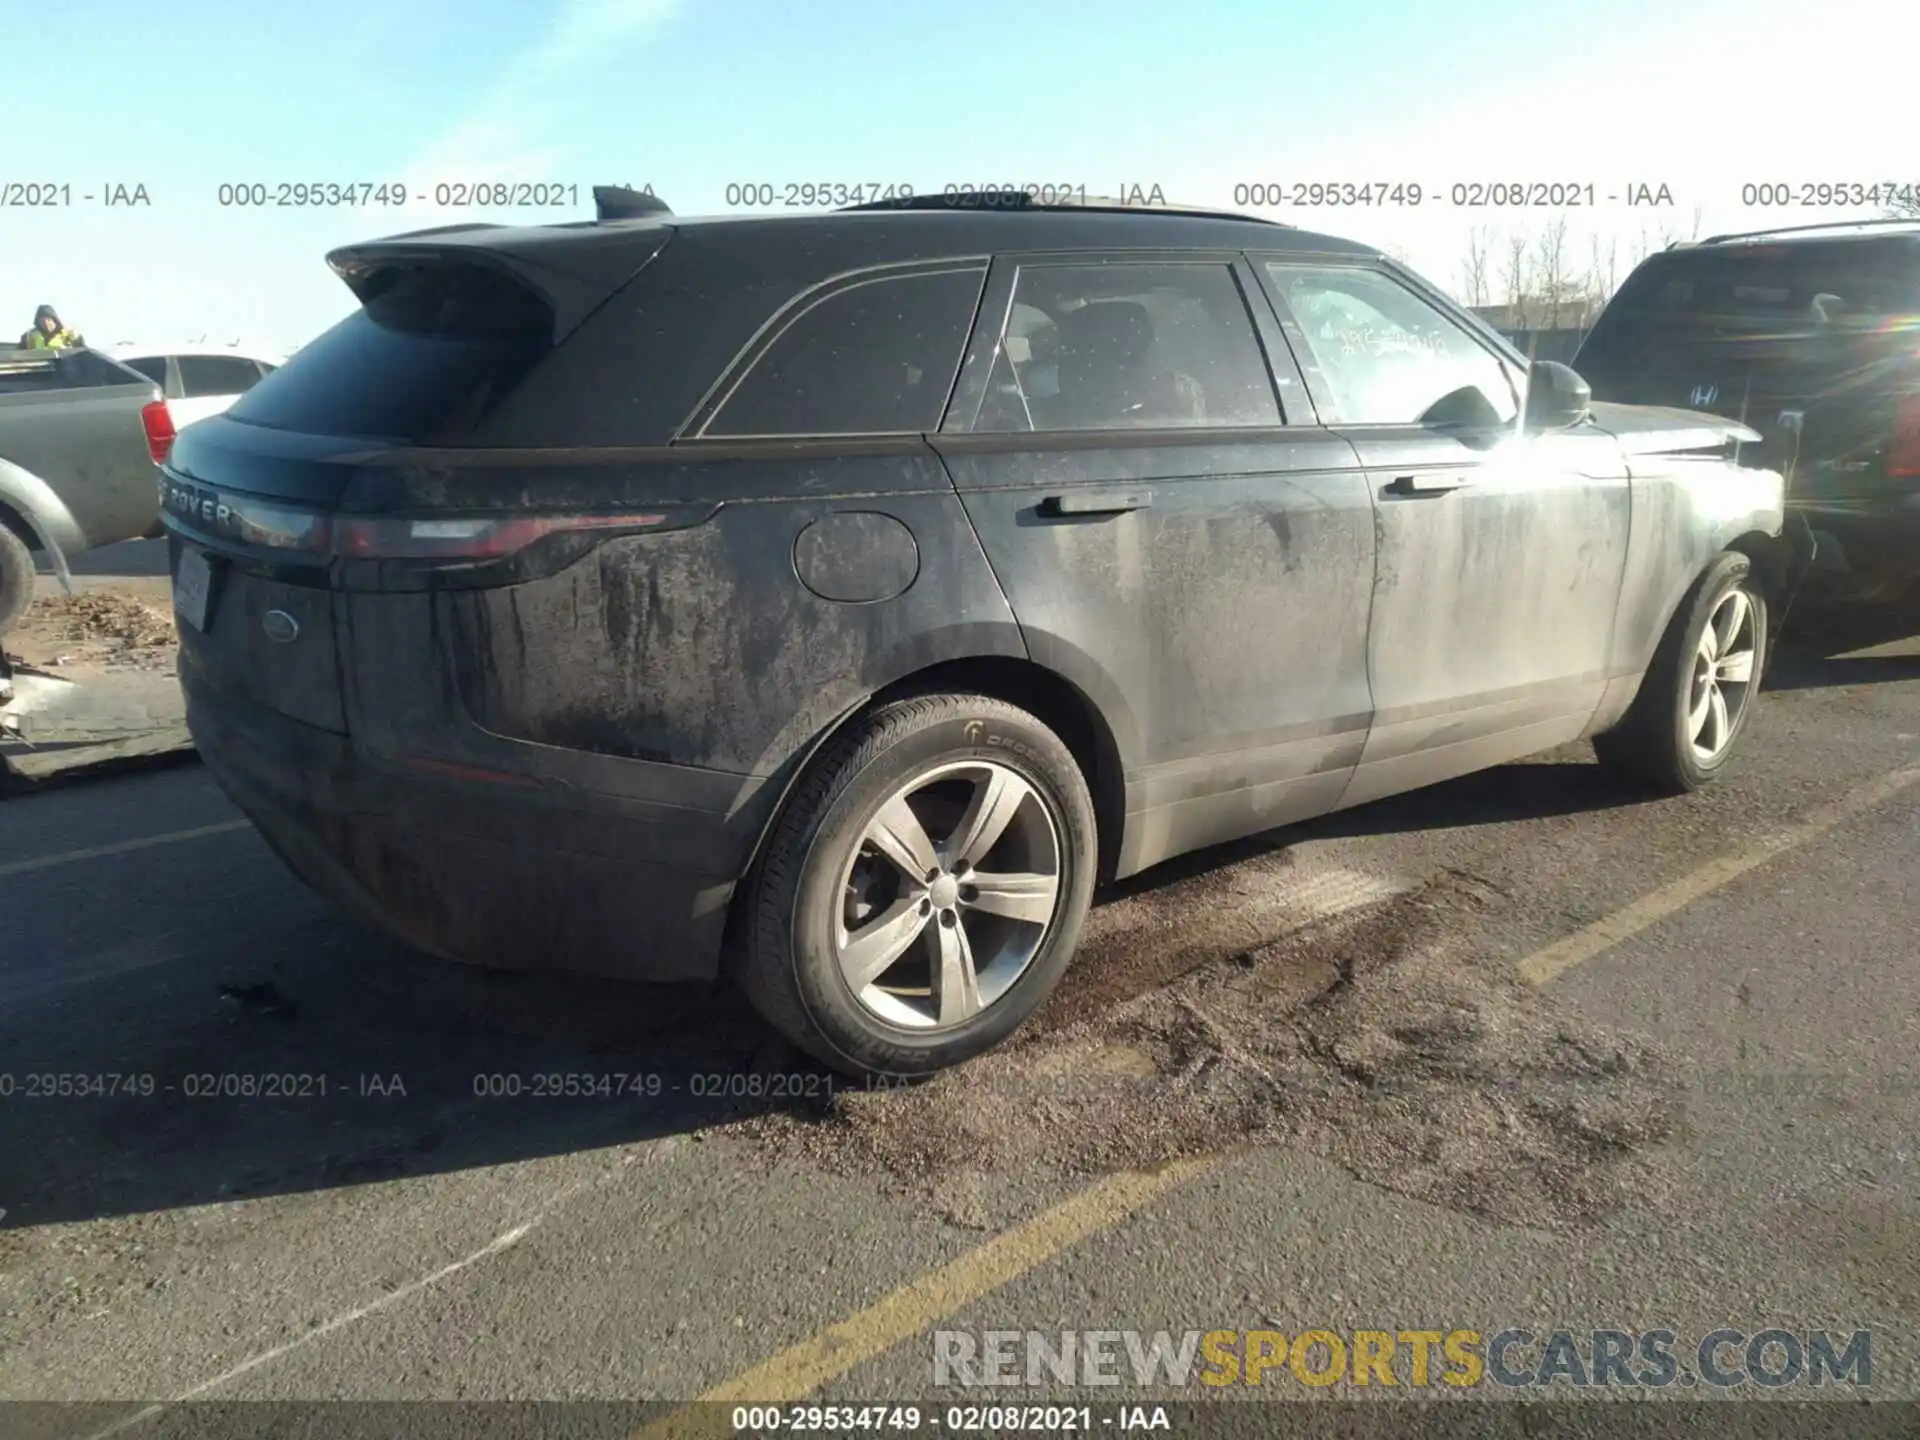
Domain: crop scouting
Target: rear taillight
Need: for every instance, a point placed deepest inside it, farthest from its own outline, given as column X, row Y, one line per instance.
column 450, row 539
column 1903, row 455
column 157, row 420
column 352, row 537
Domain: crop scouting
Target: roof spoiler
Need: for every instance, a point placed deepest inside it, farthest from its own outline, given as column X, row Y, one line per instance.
column 622, row 202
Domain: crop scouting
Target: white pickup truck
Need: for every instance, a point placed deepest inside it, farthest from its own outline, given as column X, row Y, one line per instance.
column 80, row 438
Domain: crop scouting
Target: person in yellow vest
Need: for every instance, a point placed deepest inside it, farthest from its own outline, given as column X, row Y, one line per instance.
column 49, row 334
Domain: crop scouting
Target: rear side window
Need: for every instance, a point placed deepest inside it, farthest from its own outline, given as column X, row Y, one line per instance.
column 154, row 367
column 1128, row 346
column 216, row 375
column 432, row 350
column 878, row 357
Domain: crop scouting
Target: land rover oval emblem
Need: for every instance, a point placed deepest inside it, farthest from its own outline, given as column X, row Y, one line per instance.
column 281, row 627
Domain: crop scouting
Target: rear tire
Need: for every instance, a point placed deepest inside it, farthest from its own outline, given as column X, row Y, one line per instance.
column 16, row 578
column 923, row 889
column 1696, row 696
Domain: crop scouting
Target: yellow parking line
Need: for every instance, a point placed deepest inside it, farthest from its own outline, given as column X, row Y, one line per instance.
column 1610, row 930
column 802, row 1368
column 118, row 847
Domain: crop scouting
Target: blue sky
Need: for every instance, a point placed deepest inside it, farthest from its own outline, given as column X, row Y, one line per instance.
column 692, row 95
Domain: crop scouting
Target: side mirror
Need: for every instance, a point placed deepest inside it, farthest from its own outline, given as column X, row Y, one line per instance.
column 1557, row 398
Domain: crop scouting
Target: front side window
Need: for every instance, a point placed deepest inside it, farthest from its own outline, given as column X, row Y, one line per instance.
column 1128, row 346
column 1386, row 356
column 878, row 357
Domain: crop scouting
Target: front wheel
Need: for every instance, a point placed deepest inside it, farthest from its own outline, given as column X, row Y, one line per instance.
column 923, row 890
column 1696, row 696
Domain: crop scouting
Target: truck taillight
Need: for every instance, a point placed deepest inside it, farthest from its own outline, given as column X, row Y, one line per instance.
column 157, row 420
column 1903, row 455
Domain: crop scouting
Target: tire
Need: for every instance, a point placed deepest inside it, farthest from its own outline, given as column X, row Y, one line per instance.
column 808, row 930
column 1654, row 745
column 16, row 578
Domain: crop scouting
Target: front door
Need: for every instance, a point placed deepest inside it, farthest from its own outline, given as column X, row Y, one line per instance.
column 1200, row 568
column 1501, row 553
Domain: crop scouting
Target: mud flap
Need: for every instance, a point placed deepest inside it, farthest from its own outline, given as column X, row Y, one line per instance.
column 1797, row 551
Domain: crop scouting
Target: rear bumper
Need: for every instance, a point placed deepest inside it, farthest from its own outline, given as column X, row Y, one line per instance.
column 512, row 873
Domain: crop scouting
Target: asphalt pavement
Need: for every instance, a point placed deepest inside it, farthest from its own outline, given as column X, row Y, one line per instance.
column 1520, row 1050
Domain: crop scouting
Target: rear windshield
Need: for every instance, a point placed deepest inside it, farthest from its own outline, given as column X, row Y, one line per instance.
column 433, row 349
column 1736, row 286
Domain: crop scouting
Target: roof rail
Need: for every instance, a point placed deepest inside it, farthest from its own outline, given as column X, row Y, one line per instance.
column 1803, row 229
column 1005, row 201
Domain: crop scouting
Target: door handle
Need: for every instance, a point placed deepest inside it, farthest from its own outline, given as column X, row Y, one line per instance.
column 1096, row 502
column 1439, row 484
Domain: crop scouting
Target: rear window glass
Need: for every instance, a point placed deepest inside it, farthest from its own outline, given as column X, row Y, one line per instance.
column 876, row 358
column 1819, row 284
column 432, row 350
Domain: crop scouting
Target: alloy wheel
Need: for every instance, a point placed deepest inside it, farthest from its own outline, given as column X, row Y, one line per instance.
column 948, row 896
column 1723, row 676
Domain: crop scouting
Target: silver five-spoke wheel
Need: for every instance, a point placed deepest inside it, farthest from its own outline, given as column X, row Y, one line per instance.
column 1722, row 677
column 948, row 895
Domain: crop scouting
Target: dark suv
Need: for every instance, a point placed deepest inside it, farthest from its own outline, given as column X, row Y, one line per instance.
column 832, row 600
column 1811, row 335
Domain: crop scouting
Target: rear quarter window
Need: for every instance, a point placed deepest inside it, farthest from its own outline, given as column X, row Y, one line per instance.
column 877, row 357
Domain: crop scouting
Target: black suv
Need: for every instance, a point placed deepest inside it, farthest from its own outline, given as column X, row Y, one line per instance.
column 834, row 599
column 1811, row 335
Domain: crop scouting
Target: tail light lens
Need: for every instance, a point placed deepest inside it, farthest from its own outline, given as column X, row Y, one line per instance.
column 350, row 537
column 157, row 420
column 451, row 539
column 1903, row 455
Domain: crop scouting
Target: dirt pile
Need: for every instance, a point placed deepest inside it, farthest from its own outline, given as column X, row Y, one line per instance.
column 95, row 627
column 1373, row 1040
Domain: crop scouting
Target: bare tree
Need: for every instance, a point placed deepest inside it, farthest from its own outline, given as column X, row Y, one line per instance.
column 1905, row 205
column 1552, row 281
column 1603, row 268
column 1514, row 275
column 1473, row 270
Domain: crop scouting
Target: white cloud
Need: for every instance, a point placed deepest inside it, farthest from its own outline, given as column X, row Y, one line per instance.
column 587, row 29
column 510, row 135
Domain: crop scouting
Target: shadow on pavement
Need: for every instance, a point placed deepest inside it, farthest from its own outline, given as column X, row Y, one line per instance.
column 204, row 1029
column 323, row 1056
column 1525, row 790
column 1817, row 645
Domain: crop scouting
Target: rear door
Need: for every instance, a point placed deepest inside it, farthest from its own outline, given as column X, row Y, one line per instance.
column 1501, row 554
column 1173, row 532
